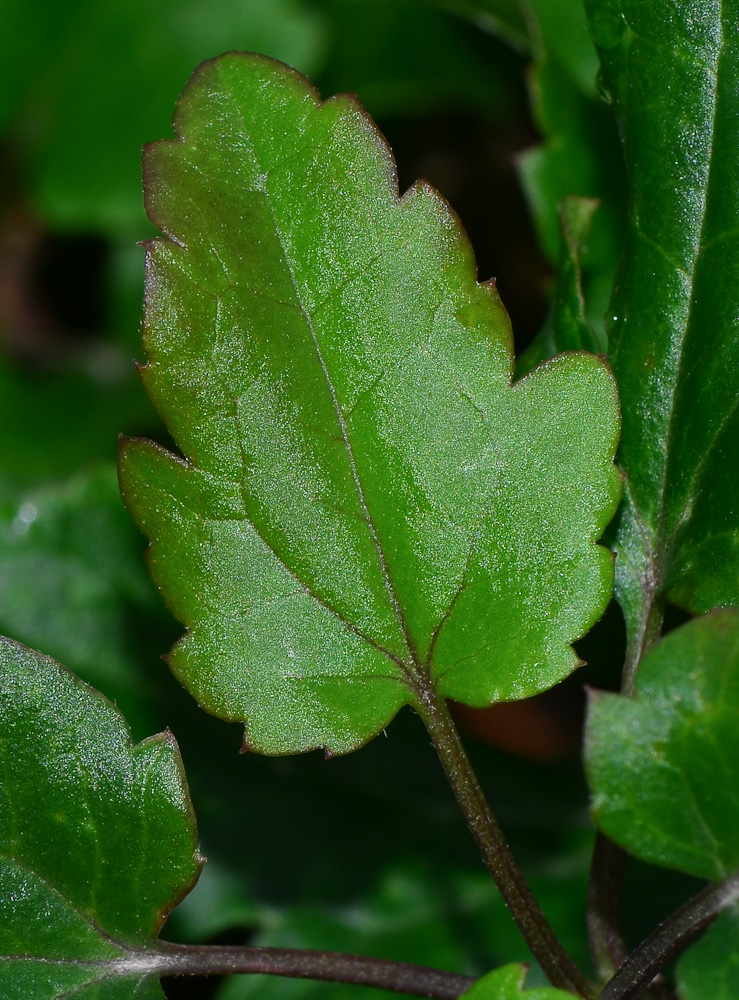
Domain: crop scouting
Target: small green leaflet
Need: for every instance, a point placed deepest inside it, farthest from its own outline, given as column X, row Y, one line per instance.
column 664, row 765
column 368, row 512
column 97, row 838
column 507, row 982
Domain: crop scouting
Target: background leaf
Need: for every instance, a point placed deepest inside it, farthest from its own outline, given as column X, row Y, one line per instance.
column 710, row 968
column 663, row 765
column 671, row 69
column 343, row 442
column 81, row 143
column 567, row 327
column 580, row 155
column 97, row 837
column 72, row 582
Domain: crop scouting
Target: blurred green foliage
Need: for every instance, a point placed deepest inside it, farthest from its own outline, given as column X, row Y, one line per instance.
column 366, row 853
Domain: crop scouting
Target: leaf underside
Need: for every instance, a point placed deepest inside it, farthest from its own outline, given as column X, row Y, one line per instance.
column 664, row 765
column 97, row 838
column 368, row 513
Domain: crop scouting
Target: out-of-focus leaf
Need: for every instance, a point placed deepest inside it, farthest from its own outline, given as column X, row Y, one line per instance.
column 440, row 918
column 709, row 970
column 671, row 69
column 567, row 327
column 368, row 511
column 402, row 838
column 504, row 18
column 97, row 837
column 579, row 156
column 560, row 28
column 412, row 57
column 95, row 83
column 664, row 765
column 507, row 984
column 72, row 582
column 53, row 423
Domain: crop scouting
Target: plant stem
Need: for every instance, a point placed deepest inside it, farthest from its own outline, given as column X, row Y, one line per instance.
column 639, row 645
column 608, row 866
column 328, row 966
column 640, row 968
column 605, row 905
column 536, row 929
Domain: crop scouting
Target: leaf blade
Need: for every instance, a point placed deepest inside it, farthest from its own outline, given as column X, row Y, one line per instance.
column 97, row 841
column 662, row 764
column 671, row 329
column 361, row 425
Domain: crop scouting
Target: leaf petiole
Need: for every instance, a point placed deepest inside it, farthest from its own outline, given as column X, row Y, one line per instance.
column 297, row 963
column 669, row 939
column 538, row 933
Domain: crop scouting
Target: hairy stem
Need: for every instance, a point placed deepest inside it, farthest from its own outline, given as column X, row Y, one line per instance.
column 640, row 968
column 639, row 644
column 536, row 929
column 605, row 906
column 328, row 966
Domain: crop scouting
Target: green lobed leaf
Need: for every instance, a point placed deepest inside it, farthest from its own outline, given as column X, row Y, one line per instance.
column 368, row 510
column 709, row 970
column 97, row 837
column 507, row 984
column 671, row 68
column 664, row 765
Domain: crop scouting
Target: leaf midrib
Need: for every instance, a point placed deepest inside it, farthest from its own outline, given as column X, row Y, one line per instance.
column 413, row 670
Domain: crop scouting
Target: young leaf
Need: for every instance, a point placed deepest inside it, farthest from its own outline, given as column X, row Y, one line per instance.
column 664, row 765
column 97, row 837
column 580, row 154
column 369, row 513
column 710, row 968
column 671, row 69
column 507, row 984
column 567, row 327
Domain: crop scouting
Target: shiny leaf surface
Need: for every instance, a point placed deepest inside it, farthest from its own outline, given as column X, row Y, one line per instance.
column 664, row 765
column 368, row 510
column 671, row 70
column 97, row 838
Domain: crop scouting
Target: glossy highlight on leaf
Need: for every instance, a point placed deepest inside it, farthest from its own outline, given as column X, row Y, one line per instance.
column 671, row 69
column 97, row 837
column 664, row 765
column 369, row 513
